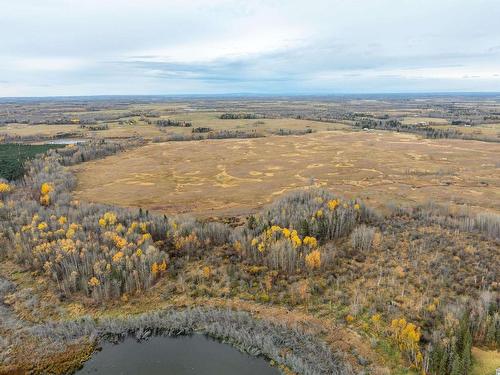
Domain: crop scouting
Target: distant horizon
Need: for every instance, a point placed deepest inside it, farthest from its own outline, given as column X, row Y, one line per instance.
column 268, row 95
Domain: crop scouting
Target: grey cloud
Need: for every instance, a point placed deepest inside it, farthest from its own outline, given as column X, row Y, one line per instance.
column 320, row 46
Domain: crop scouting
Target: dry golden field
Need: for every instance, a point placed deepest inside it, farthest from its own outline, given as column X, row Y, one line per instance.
column 417, row 119
column 37, row 130
column 237, row 176
column 141, row 128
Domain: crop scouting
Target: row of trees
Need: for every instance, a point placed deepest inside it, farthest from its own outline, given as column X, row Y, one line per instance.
column 396, row 125
column 423, row 130
column 240, row 116
column 173, row 123
column 199, row 134
column 95, row 127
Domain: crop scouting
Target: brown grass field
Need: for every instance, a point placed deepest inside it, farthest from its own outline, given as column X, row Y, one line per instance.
column 487, row 361
column 236, row 177
column 148, row 131
column 37, row 130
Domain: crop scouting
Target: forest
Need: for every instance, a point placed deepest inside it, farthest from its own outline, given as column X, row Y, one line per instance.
column 14, row 155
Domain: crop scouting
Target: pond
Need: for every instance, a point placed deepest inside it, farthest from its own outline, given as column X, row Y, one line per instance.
column 184, row 355
column 66, row 141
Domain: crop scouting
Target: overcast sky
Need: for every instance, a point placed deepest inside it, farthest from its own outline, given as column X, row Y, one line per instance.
column 89, row 47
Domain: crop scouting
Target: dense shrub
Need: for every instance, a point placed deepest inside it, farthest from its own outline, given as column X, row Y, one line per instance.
column 314, row 212
column 200, row 135
column 226, row 134
column 173, row 123
column 201, row 129
column 238, row 116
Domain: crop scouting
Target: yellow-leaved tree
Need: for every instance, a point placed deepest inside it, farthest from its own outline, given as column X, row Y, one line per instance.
column 5, row 188
column 313, row 259
column 45, row 191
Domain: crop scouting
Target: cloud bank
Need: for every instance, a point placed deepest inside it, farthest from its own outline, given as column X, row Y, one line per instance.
column 68, row 47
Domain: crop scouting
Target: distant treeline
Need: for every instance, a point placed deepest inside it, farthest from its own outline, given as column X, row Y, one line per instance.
column 423, row 130
column 47, row 121
column 493, row 117
column 282, row 131
column 240, row 116
column 173, row 123
column 42, row 117
column 224, row 134
column 198, row 136
column 396, row 125
column 95, row 149
column 201, row 129
column 342, row 119
column 461, row 122
column 95, row 127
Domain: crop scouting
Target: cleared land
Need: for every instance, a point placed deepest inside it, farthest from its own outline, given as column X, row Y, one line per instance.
column 233, row 177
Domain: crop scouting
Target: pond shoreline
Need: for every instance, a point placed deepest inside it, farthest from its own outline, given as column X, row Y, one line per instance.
column 180, row 355
column 289, row 348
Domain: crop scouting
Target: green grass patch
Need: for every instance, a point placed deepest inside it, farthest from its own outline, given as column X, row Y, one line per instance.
column 14, row 155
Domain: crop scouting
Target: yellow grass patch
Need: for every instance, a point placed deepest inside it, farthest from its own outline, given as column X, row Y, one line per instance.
column 378, row 167
column 485, row 361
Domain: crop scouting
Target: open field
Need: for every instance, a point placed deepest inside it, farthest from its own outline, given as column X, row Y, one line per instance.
column 34, row 130
column 141, row 128
column 429, row 120
column 238, row 176
column 136, row 116
column 492, row 130
column 487, row 361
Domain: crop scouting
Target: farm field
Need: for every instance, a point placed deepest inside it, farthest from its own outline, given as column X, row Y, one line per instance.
column 37, row 130
column 137, row 127
column 236, row 177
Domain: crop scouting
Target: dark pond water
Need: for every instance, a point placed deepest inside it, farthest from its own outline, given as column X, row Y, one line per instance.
column 185, row 355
